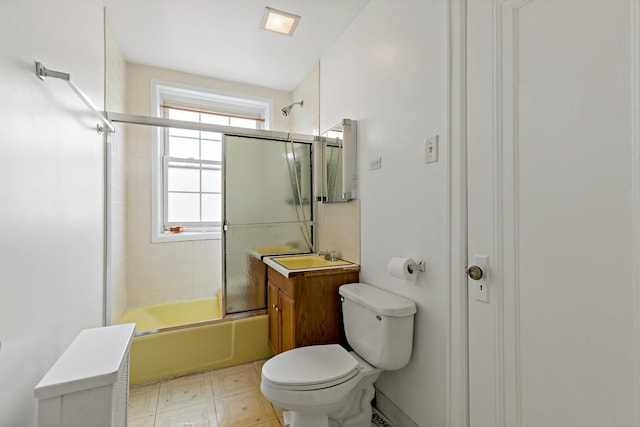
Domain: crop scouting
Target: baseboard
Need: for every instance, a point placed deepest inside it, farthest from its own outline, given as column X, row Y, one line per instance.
column 378, row 420
column 389, row 413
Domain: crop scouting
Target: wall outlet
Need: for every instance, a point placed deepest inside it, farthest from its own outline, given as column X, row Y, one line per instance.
column 431, row 149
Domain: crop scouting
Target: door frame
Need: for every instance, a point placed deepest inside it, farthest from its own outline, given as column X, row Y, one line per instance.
column 457, row 338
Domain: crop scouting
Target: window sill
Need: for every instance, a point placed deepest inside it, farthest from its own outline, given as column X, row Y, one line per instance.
column 185, row 236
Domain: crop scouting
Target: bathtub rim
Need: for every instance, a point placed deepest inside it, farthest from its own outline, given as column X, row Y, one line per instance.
column 224, row 318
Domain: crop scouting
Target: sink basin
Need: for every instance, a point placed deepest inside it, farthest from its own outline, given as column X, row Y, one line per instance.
column 305, row 262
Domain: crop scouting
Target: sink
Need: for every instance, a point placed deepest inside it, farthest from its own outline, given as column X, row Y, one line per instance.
column 308, row 262
column 303, row 262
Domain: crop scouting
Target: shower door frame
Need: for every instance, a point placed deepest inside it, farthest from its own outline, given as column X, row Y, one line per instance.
column 226, row 227
column 314, row 140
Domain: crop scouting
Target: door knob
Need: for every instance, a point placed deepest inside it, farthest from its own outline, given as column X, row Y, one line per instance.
column 475, row 272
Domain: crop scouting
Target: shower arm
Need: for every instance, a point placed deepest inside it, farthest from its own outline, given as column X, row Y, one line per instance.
column 42, row 72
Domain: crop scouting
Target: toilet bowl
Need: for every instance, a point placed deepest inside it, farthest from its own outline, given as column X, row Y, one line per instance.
column 321, row 386
column 327, row 386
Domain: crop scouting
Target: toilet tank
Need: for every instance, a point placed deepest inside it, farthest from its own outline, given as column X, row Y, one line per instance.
column 378, row 325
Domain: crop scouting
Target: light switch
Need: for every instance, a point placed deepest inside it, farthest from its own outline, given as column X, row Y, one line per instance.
column 431, row 149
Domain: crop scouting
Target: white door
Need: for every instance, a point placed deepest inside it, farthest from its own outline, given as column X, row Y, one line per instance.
column 553, row 205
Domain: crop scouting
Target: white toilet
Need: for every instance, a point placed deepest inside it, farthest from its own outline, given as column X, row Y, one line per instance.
column 327, row 386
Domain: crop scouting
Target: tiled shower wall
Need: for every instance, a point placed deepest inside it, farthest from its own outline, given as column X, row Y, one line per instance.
column 168, row 271
column 162, row 272
column 115, row 100
column 339, row 229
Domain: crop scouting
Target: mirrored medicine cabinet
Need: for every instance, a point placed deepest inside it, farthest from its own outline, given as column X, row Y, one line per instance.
column 335, row 181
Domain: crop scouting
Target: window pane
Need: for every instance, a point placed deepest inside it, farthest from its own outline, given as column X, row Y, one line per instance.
column 211, row 181
column 211, row 150
column 183, row 207
column 182, row 179
column 214, row 119
column 184, row 148
column 189, row 116
column 212, row 207
column 243, row 123
column 216, row 136
column 188, row 133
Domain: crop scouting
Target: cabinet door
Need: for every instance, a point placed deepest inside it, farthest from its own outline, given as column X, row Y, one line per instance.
column 274, row 318
column 288, row 322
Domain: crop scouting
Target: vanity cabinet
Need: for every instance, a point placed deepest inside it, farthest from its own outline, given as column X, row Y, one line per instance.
column 304, row 308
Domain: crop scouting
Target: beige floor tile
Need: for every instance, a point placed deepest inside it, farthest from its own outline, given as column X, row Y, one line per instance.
column 234, row 380
column 278, row 410
column 183, row 392
column 142, row 422
column 143, row 401
column 242, row 410
column 272, row 423
column 258, row 365
column 200, row 415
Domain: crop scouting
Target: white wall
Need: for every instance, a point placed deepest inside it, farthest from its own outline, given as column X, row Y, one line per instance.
column 115, row 101
column 51, row 185
column 388, row 71
column 306, row 120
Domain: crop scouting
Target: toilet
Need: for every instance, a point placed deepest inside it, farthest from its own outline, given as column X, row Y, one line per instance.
column 328, row 386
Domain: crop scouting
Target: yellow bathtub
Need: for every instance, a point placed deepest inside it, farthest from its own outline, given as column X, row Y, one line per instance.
column 181, row 338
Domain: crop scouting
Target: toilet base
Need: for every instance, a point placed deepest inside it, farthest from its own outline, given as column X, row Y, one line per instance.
column 356, row 411
column 294, row 419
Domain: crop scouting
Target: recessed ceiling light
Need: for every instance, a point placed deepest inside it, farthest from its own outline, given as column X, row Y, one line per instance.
column 278, row 21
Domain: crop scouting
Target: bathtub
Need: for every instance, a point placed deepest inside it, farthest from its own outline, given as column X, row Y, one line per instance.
column 179, row 338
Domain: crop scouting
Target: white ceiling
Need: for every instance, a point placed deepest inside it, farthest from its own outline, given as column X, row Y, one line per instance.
column 222, row 38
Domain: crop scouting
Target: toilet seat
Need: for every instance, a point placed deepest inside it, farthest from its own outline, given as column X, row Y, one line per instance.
column 310, row 368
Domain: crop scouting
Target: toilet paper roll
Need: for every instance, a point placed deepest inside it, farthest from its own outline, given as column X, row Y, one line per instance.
column 399, row 267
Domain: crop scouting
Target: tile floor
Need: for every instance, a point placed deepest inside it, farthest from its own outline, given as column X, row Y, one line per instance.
column 228, row 397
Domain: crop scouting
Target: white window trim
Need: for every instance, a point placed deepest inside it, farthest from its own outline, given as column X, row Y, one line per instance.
column 161, row 90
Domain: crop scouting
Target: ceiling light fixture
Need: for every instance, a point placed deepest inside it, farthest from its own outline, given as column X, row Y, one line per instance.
column 278, row 21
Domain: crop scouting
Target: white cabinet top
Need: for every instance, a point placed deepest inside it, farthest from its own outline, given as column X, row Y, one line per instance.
column 92, row 360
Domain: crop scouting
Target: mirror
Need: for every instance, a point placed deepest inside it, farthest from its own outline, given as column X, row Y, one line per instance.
column 335, row 179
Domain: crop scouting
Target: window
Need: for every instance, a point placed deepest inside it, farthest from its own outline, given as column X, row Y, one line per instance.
column 188, row 167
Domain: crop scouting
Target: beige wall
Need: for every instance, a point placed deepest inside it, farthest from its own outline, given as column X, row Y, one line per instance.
column 339, row 229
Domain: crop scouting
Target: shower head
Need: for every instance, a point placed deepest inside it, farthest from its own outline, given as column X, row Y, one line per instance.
column 285, row 110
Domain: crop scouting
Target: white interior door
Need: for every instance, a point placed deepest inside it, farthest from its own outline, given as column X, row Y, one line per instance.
column 552, row 184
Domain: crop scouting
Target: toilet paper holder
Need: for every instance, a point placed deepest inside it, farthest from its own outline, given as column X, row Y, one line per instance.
column 416, row 266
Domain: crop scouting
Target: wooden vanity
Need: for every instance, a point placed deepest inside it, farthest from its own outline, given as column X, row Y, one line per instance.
column 304, row 308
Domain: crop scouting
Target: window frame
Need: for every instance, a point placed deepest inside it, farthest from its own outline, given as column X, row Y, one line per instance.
column 205, row 99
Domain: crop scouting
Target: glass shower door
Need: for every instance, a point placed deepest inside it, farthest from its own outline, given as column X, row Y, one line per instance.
column 267, row 211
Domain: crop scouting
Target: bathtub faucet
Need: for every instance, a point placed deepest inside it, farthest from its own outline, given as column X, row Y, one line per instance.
column 329, row 255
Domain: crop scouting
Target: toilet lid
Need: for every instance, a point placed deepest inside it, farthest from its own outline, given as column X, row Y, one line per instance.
column 313, row 365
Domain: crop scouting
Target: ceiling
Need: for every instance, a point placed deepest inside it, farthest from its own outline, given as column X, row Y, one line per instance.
column 222, row 38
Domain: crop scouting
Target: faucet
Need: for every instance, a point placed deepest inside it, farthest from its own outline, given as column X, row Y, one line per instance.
column 329, row 255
